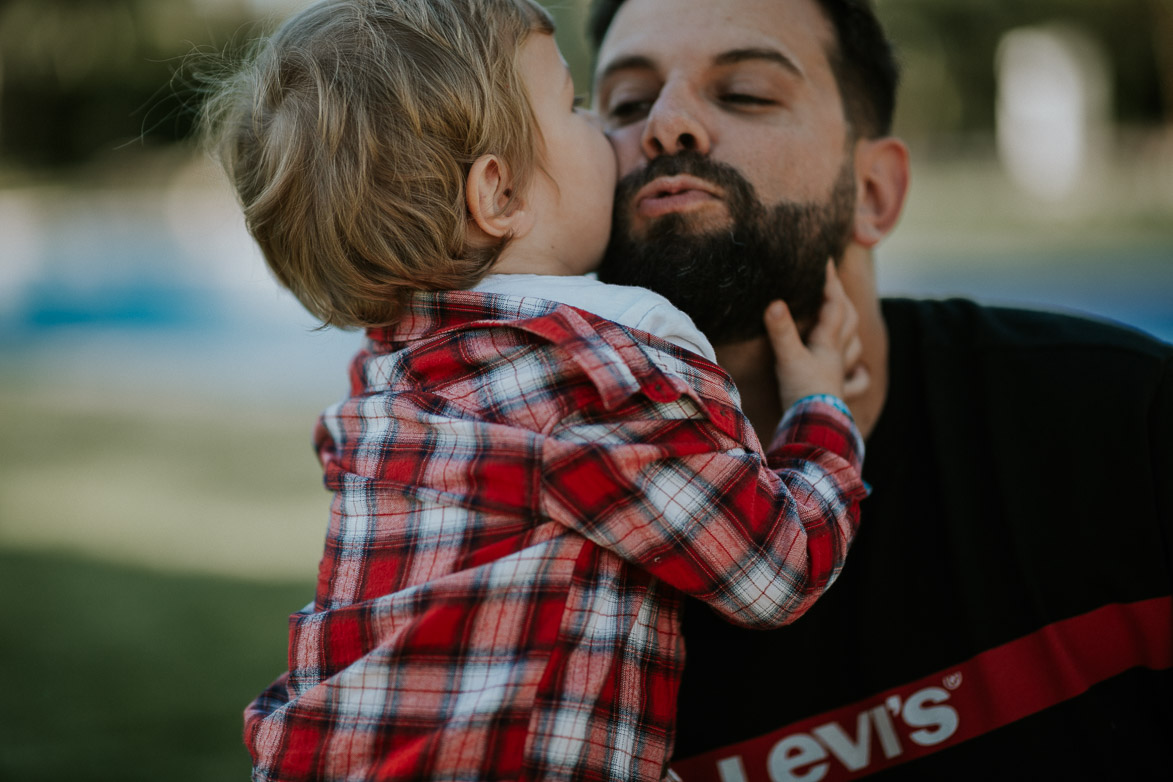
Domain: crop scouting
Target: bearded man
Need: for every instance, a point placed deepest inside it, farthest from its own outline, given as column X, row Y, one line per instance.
column 1006, row 610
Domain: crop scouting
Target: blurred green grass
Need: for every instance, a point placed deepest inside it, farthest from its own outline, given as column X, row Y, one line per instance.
column 152, row 546
column 172, row 478
column 119, row 674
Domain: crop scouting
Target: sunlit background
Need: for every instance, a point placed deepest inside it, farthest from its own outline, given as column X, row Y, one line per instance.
column 160, row 506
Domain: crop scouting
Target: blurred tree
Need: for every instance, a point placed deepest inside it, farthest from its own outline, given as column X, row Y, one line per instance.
column 79, row 78
column 1163, row 50
column 960, row 38
column 82, row 77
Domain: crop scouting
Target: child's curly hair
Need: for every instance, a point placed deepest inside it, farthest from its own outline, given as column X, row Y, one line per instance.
column 349, row 134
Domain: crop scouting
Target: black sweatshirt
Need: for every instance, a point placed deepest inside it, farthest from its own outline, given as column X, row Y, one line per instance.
column 1005, row 610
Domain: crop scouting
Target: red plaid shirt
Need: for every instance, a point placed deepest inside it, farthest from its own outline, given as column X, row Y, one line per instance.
column 523, row 492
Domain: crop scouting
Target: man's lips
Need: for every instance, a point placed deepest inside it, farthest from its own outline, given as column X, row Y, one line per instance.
column 675, row 194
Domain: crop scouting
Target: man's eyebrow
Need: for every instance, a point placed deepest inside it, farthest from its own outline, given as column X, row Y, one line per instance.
column 731, row 57
column 734, row 56
column 632, row 63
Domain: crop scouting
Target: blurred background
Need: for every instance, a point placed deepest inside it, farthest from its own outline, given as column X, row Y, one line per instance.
column 160, row 506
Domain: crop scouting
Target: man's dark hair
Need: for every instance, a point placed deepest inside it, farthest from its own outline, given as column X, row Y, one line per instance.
column 864, row 65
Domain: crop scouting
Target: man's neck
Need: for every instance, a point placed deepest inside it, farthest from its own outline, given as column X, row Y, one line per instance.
column 751, row 363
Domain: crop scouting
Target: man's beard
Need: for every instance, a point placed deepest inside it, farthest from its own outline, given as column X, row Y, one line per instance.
column 725, row 278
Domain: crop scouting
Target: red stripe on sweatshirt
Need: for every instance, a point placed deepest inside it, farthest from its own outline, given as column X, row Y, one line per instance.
column 997, row 687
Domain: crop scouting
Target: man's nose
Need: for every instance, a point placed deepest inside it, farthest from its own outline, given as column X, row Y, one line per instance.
column 675, row 124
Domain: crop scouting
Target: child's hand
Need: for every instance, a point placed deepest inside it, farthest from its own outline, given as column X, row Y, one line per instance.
column 829, row 362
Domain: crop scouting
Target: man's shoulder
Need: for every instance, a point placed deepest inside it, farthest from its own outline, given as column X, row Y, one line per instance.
column 961, row 324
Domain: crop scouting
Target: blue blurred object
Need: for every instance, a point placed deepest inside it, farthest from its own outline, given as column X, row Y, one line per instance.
column 140, row 305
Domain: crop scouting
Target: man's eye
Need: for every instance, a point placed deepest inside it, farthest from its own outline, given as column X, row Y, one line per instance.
column 629, row 111
column 745, row 99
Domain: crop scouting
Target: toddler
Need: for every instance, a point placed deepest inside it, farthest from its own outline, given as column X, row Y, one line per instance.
column 532, row 467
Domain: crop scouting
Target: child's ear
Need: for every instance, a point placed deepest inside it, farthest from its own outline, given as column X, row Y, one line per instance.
column 493, row 205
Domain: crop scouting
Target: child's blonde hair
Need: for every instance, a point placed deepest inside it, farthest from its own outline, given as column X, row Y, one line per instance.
column 349, row 136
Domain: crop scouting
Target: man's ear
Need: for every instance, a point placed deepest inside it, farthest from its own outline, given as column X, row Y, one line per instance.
column 493, row 205
column 881, row 167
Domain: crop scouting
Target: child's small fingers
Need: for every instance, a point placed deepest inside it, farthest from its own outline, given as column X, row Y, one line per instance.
column 833, row 286
column 783, row 332
column 853, row 352
column 850, row 326
column 833, row 289
column 858, row 381
column 846, row 316
column 835, row 309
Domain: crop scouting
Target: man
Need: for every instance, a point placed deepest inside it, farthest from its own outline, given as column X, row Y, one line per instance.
column 1006, row 609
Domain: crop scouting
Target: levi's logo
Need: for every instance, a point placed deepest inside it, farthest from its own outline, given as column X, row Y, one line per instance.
column 994, row 688
column 884, row 730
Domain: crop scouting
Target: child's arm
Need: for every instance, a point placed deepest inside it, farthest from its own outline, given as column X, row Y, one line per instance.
column 758, row 540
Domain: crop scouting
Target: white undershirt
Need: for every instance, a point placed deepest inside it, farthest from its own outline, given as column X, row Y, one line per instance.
column 636, row 308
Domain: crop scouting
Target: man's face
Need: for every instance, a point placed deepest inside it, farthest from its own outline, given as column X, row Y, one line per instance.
column 765, row 189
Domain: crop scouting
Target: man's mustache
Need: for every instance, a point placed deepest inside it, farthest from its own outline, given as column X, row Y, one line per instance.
column 724, row 176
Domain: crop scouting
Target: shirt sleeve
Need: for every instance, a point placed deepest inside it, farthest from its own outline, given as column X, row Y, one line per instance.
column 758, row 539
